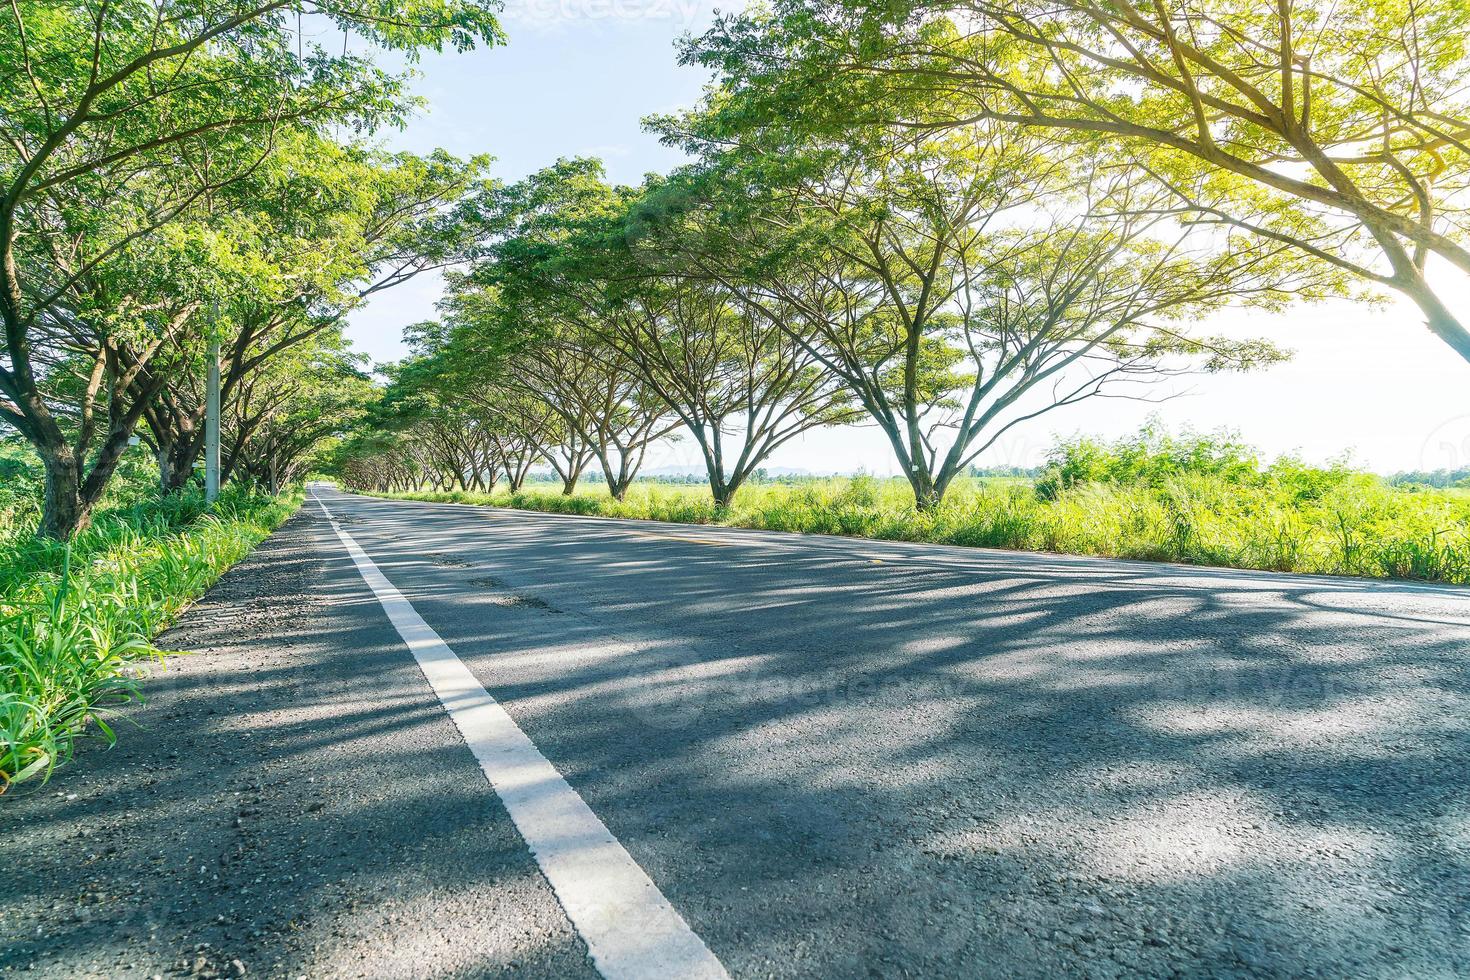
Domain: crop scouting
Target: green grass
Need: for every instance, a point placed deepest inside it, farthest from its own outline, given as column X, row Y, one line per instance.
column 1287, row 518
column 77, row 621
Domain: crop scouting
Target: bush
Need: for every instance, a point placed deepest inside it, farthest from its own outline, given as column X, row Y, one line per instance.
column 1148, row 459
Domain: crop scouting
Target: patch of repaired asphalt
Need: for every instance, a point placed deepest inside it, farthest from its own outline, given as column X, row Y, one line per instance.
column 291, row 800
column 499, row 594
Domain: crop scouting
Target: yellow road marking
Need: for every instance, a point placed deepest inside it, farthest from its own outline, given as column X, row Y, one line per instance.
column 680, row 537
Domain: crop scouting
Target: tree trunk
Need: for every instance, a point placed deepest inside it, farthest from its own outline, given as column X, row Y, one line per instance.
column 723, row 492
column 63, row 512
column 927, row 494
column 620, row 479
column 70, row 498
column 175, row 464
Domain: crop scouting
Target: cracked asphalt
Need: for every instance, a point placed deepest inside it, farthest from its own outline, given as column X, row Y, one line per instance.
column 835, row 758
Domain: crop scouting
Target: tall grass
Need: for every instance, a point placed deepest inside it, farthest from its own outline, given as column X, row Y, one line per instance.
column 1287, row 517
column 78, row 620
column 20, row 491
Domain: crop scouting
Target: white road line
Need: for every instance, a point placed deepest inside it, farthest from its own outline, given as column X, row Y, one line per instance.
column 630, row 929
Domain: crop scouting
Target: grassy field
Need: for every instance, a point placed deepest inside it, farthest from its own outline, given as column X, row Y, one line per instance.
column 1286, row 517
column 77, row 621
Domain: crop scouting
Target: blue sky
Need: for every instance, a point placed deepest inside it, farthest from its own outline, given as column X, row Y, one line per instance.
column 578, row 75
column 575, row 79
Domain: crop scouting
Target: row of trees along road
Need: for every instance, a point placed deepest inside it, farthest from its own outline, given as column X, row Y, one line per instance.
column 944, row 218
column 944, row 287
column 176, row 170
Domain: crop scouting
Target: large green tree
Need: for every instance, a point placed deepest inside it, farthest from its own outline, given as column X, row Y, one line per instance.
column 1341, row 129
column 119, row 121
column 963, row 283
column 320, row 230
column 738, row 384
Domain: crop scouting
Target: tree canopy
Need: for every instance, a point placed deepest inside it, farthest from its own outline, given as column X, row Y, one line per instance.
column 1339, row 129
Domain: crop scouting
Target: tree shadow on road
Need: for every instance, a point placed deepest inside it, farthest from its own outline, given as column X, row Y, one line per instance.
column 970, row 764
column 1030, row 764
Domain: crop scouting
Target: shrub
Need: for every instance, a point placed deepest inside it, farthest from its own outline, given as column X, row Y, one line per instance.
column 1148, row 459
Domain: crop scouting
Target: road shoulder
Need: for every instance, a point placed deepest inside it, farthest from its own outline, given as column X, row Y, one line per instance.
column 291, row 799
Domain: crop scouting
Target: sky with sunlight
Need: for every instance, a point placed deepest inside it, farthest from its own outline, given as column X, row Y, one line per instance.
column 578, row 75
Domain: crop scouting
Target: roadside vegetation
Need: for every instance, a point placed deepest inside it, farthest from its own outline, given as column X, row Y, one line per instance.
column 78, row 619
column 1197, row 499
column 949, row 221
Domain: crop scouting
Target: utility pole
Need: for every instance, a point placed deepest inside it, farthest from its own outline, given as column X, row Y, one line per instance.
column 211, row 422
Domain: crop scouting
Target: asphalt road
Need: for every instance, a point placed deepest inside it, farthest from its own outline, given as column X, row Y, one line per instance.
column 832, row 757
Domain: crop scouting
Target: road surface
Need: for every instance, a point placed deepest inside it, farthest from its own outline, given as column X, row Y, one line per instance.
column 818, row 757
